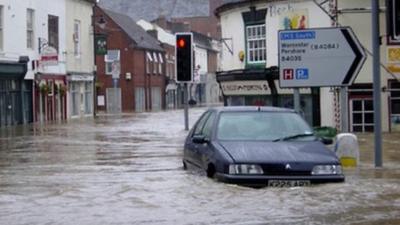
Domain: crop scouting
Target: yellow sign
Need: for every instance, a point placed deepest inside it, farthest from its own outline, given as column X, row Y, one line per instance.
column 393, row 54
column 393, row 59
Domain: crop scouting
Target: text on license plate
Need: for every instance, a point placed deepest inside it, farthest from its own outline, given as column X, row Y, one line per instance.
column 288, row 183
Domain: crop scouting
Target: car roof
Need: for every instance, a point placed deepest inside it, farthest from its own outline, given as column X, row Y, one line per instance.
column 251, row 109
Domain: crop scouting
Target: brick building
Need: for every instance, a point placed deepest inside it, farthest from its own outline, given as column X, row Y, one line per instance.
column 141, row 63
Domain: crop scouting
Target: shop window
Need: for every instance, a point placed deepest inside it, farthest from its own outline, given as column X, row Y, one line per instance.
column 395, row 106
column 88, row 97
column 74, row 98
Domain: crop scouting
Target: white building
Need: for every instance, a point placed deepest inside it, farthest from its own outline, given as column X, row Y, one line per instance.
column 249, row 31
column 80, row 57
column 35, row 28
column 250, row 55
column 357, row 14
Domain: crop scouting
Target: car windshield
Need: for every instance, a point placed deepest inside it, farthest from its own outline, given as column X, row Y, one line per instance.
column 263, row 126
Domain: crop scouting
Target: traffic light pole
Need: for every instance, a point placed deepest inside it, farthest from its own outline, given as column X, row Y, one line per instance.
column 186, row 105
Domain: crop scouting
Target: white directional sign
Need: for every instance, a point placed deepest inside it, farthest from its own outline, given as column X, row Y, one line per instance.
column 319, row 57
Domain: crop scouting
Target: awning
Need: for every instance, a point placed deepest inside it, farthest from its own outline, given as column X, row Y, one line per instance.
column 30, row 75
column 80, row 77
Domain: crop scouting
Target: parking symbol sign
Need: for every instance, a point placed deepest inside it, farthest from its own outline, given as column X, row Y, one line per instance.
column 302, row 74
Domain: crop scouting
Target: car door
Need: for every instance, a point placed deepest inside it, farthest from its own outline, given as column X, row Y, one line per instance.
column 204, row 151
column 191, row 149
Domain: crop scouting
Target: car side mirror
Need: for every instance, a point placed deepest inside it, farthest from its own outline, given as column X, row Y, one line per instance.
column 199, row 139
column 326, row 141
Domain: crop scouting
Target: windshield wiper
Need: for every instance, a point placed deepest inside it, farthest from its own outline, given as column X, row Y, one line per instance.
column 294, row 137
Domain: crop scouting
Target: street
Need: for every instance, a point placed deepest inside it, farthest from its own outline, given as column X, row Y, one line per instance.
column 127, row 169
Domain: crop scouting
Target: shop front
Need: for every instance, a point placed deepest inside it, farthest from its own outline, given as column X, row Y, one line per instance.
column 80, row 96
column 251, row 87
column 15, row 94
column 50, row 97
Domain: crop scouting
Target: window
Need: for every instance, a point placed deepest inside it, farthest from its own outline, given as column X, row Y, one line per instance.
column 75, row 98
column 207, row 129
column 76, row 38
column 30, row 21
column 395, row 105
column 1, row 27
column 256, row 47
column 155, row 65
column 53, row 31
column 112, row 55
column 161, row 62
column 200, row 124
column 362, row 115
column 149, row 59
column 88, row 97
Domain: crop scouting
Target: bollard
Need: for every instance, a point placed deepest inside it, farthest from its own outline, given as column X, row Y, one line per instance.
column 347, row 150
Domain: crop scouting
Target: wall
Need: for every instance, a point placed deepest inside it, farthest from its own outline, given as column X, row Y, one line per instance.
column 233, row 28
column 82, row 11
column 360, row 22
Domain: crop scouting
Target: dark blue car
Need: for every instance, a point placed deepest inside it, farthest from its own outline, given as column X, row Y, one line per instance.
column 259, row 146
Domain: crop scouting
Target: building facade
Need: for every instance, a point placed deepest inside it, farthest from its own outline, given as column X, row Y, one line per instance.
column 249, row 74
column 32, row 28
column 131, row 70
column 80, row 58
column 167, row 40
column 357, row 14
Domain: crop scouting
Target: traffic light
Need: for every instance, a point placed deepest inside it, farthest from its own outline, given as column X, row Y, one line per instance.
column 184, row 57
column 393, row 19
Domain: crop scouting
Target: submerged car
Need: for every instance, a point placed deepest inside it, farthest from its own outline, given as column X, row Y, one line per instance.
column 260, row 146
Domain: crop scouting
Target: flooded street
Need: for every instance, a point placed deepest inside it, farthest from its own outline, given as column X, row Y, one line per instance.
column 128, row 170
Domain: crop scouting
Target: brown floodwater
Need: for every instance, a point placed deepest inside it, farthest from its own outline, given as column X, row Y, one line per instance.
column 127, row 169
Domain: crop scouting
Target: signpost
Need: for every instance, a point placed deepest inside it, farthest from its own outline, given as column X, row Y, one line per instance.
column 323, row 57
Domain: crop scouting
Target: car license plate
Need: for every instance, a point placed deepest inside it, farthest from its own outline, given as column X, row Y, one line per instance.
column 288, row 183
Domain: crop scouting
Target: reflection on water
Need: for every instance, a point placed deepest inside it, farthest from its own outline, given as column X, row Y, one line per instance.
column 128, row 170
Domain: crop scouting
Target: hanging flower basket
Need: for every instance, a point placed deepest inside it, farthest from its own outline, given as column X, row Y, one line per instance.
column 62, row 89
column 44, row 89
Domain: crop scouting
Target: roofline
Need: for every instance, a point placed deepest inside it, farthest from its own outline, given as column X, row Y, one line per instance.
column 233, row 5
column 135, row 44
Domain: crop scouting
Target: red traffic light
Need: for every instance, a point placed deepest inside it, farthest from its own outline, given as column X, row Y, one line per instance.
column 181, row 43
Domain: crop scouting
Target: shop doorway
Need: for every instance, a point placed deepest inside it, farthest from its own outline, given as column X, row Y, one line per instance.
column 10, row 102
